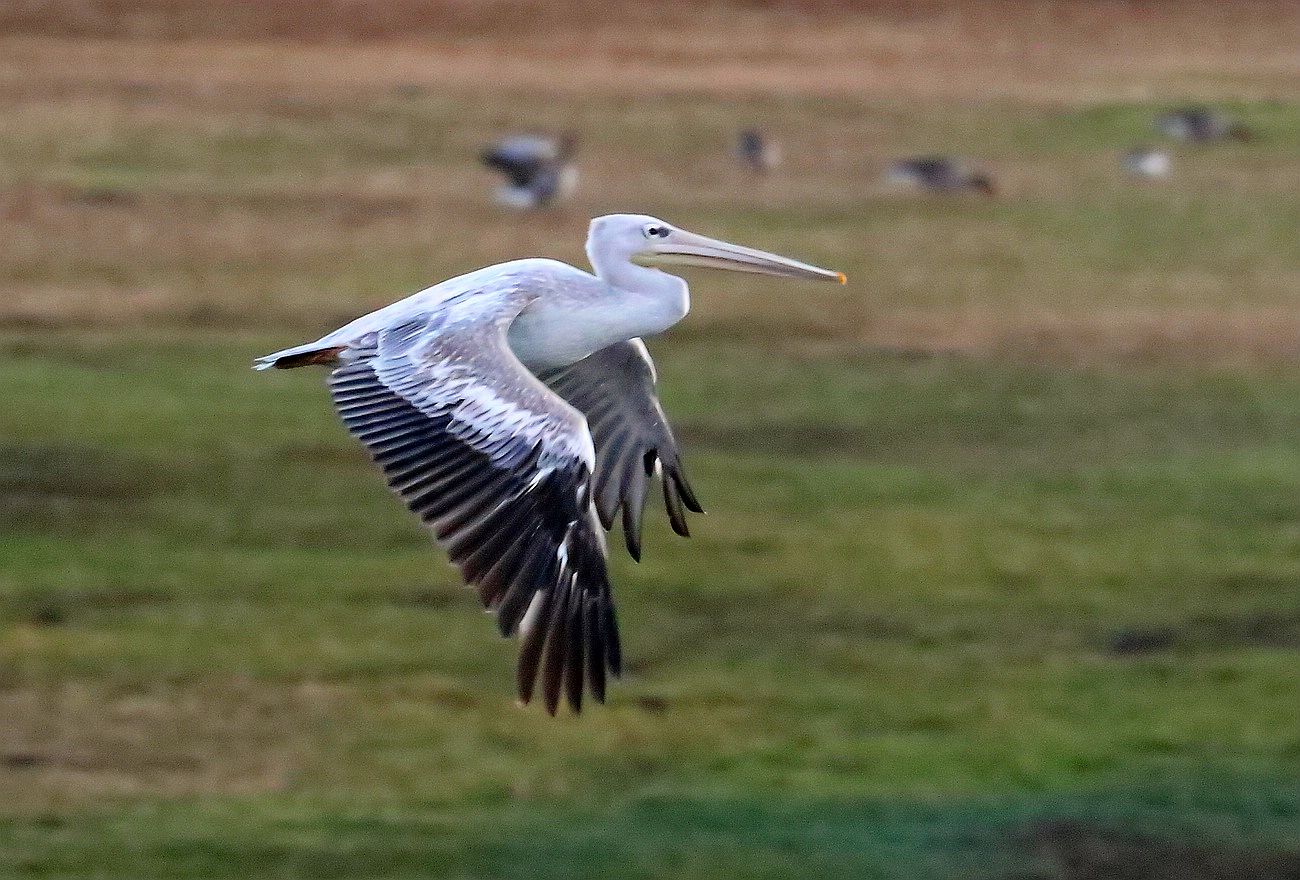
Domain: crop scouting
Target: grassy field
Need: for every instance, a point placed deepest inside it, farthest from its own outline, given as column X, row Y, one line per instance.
column 1001, row 572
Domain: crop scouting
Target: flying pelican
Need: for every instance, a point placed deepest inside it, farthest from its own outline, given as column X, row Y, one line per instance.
column 538, row 170
column 1147, row 162
column 938, row 174
column 514, row 410
column 757, row 152
column 1201, row 125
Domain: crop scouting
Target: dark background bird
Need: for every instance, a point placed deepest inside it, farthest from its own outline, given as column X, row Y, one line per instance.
column 538, row 169
column 1201, row 125
column 939, row 174
column 757, row 151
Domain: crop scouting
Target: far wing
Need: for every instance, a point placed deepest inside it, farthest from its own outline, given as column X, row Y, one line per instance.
column 500, row 468
column 615, row 388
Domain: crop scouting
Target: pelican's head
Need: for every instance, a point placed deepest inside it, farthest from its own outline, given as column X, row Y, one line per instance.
column 649, row 241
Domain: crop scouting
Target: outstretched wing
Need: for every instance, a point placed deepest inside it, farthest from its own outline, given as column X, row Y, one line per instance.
column 500, row 469
column 615, row 388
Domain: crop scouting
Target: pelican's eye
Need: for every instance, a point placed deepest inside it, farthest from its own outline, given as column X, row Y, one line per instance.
column 654, row 231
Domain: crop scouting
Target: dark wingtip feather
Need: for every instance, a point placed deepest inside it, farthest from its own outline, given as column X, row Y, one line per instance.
column 684, row 489
column 613, row 649
column 573, row 667
column 632, row 533
column 611, row 462
column 607, row 498
column 536, row 573
column 634, row 495
column 606, row 513
column 673, row 504
column 553, row 661
column 530, row 653
column 595, row 649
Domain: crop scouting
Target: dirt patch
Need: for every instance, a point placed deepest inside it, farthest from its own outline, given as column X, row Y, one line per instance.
column 1136, row 640
column 802, row 440
column 76, row 472
column 430, row 597
column 82, row 742
column 1073, row 850
column 1223, row 632
column 56, row 607
column 338, row 455
column 73, row 489
column 710, row 624
column 25, row 760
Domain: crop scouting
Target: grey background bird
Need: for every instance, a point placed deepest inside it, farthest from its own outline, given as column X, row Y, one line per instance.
column 757, row 151
column 941, row 174
column 1201, row 125
column 538, row 170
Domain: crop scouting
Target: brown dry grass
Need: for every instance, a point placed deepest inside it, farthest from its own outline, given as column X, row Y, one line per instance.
column 1101, row 337
column 85, row 742
column 228, row 179
column 1019, row 50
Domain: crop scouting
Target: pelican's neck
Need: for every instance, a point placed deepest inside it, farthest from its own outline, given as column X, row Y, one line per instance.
column 584, row 318
column 642, row 301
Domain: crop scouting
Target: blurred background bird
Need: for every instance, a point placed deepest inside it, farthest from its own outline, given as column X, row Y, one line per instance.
column 939, row 174
column 537, row 169
column 756, row 151
column 1200, row 125
column 1148, row 162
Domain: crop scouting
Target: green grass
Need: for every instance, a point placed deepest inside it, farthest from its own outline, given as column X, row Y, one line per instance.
column 904, row 594
column 647, row 836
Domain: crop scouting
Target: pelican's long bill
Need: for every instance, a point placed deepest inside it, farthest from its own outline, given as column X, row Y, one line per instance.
column 681, row 248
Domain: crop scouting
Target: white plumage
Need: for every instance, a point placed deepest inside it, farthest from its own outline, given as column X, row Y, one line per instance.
column 1147, row 162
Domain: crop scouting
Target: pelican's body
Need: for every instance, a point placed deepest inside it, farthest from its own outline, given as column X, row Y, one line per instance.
column 544, row 334
column 537, row 170
column 513, row 408
column 938, row 174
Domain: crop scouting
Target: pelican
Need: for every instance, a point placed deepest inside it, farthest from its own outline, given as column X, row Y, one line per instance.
column 514, row 409
column 938, row 174
column 1147, row 162
column 757, row 152
column 1201, row 125
column 538, row 170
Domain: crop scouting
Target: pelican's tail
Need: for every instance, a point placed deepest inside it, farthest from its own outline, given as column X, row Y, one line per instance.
column 299, row 356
